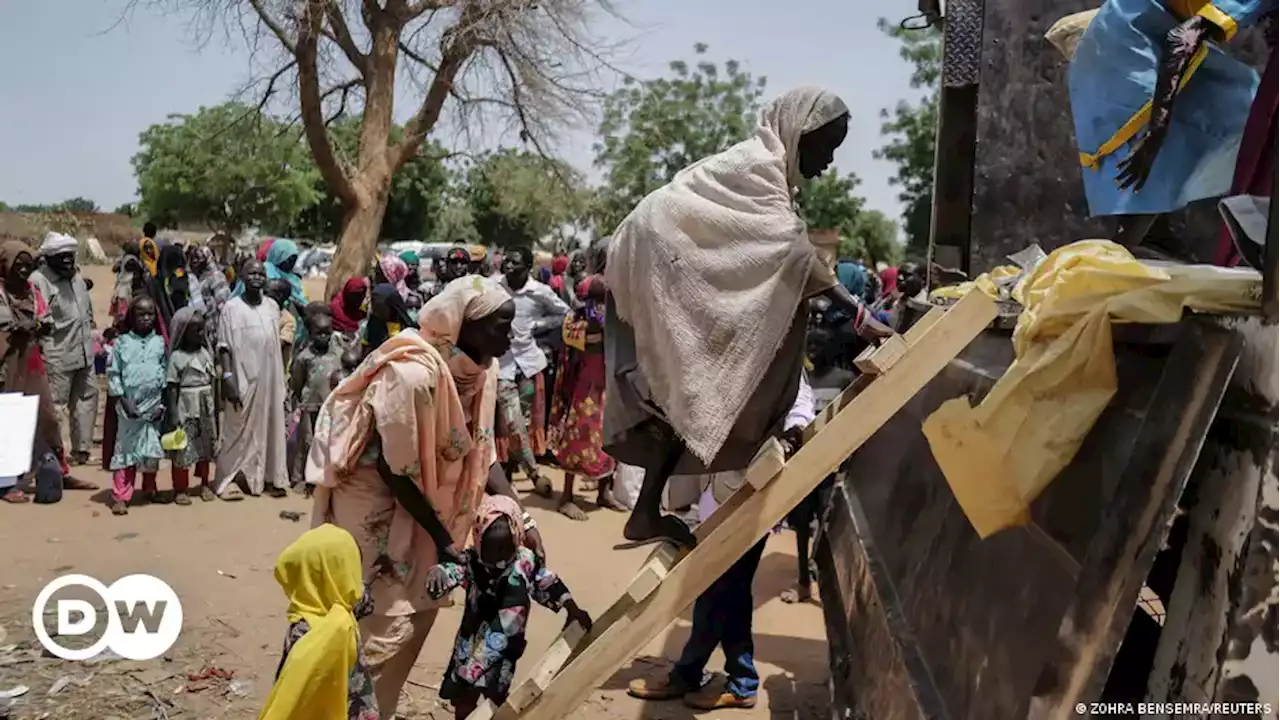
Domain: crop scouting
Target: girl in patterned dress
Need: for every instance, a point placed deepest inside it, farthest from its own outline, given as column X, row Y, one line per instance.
column 136, row 376
column 323, row 674
column 500, row 576
column 190, row 403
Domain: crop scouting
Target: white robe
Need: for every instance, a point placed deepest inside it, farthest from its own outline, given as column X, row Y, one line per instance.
column 253, row 438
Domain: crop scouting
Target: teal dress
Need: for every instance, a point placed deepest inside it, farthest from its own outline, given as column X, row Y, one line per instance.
column 137, row 371
column 1113, row 74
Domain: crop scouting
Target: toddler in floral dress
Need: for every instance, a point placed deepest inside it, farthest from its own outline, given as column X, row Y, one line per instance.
column 500, row 576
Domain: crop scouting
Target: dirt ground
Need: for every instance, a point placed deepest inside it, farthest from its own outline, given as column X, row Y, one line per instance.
column 219, row 558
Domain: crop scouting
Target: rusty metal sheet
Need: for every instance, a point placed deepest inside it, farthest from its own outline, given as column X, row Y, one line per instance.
column 910, row 578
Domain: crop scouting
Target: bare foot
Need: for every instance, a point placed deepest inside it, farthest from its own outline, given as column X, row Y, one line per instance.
column 605, row 498
column 570, row 510
column 640, row 528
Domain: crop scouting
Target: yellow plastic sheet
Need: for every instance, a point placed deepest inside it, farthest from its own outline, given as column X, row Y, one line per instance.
column 999, row 456
column 986, row 282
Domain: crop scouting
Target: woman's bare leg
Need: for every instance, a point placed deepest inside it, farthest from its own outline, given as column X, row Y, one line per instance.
column 647, row 521
column 568, row 507
column 604, row 494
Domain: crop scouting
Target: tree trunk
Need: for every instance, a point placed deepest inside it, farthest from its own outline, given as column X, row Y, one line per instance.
column 358, row 241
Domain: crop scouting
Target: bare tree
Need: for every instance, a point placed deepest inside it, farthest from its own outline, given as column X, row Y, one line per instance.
column 530, row 65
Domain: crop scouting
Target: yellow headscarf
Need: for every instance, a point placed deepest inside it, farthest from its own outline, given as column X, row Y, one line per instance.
column 320, row 573
column 149, row 252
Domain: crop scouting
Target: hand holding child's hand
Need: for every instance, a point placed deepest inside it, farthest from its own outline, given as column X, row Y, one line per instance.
column 575, row 614
column 437, row 581
column 446, row 555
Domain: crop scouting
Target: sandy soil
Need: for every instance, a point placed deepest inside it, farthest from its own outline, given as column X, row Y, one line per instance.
column 219, row 558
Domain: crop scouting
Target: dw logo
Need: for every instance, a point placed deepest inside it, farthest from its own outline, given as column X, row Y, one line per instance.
column 144, row 617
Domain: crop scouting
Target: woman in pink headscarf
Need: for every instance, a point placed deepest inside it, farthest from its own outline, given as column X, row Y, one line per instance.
column 392, row 270
column 402, row 455
column 264, row 247
column 888, row 282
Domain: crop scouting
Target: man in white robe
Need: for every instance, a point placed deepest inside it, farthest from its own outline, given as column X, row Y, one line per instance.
column 252, row 454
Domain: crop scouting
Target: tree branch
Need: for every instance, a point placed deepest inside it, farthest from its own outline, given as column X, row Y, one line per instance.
column 455, row 54
column 342, row 36
column 414, row 56
column 312, row 105
column 414, row 9
column 274, row 26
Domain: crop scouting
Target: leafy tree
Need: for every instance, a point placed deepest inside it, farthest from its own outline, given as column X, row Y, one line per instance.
column 652, row 129
column 78, row 204
column 532, row 65
column 228, row 166
column 910, row 130
column 415, row 202
column 875, row 237
column 519, row 198
column 126, row 209
column 829, row 201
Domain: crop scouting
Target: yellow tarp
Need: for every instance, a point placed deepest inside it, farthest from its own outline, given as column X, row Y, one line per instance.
column 1000, row 455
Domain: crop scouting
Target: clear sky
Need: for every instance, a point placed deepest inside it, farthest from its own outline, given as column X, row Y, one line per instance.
column 77, row 89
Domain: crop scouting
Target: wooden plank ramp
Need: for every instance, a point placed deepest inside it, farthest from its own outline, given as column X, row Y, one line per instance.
column 671, row 579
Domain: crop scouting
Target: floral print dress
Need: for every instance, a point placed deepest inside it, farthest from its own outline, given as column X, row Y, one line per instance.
column 491, row 637
column 361, row 703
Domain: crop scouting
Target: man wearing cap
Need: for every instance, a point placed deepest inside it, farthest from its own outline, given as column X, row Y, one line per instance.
column 456, row 263
column 68, row 350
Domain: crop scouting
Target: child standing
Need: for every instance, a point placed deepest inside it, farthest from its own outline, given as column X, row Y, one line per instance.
column 190, row 402
column 310, row 382
column 136, row 377
column 279, row 290
column 500, row 575
column 322, row 675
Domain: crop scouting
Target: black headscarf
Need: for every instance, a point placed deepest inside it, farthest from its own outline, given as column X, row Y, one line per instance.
column 376, row 330
column 174, row 285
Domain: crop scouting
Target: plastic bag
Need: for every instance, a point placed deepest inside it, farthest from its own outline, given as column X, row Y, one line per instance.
column 999, row 456
column 48, row 477
column 627, row 480
column 1065, row 34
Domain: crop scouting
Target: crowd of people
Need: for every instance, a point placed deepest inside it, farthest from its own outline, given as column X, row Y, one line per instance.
column 407, row 402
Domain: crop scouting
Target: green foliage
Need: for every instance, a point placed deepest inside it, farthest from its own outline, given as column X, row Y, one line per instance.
column 75, row 204
column 520, row 198
column 414, row 205
column 829, row 202
column 126, row 209
column 874, row 237
column 228, row 166
column 79, row 204
column 910, row 131
column 652, row 129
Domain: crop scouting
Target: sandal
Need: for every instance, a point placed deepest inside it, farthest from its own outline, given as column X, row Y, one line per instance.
column 207, row 494
column 232, row 494
column 181, row 498
column 542, row 485
column 15, row 496
column 119, row 508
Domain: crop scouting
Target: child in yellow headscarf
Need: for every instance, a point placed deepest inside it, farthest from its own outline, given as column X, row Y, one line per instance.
column 321, row 676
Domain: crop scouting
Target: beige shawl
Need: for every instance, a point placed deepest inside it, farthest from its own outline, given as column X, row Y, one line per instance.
column 709, row 270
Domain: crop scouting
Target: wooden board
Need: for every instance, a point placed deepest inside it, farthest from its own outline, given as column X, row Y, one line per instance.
column 628, row 625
